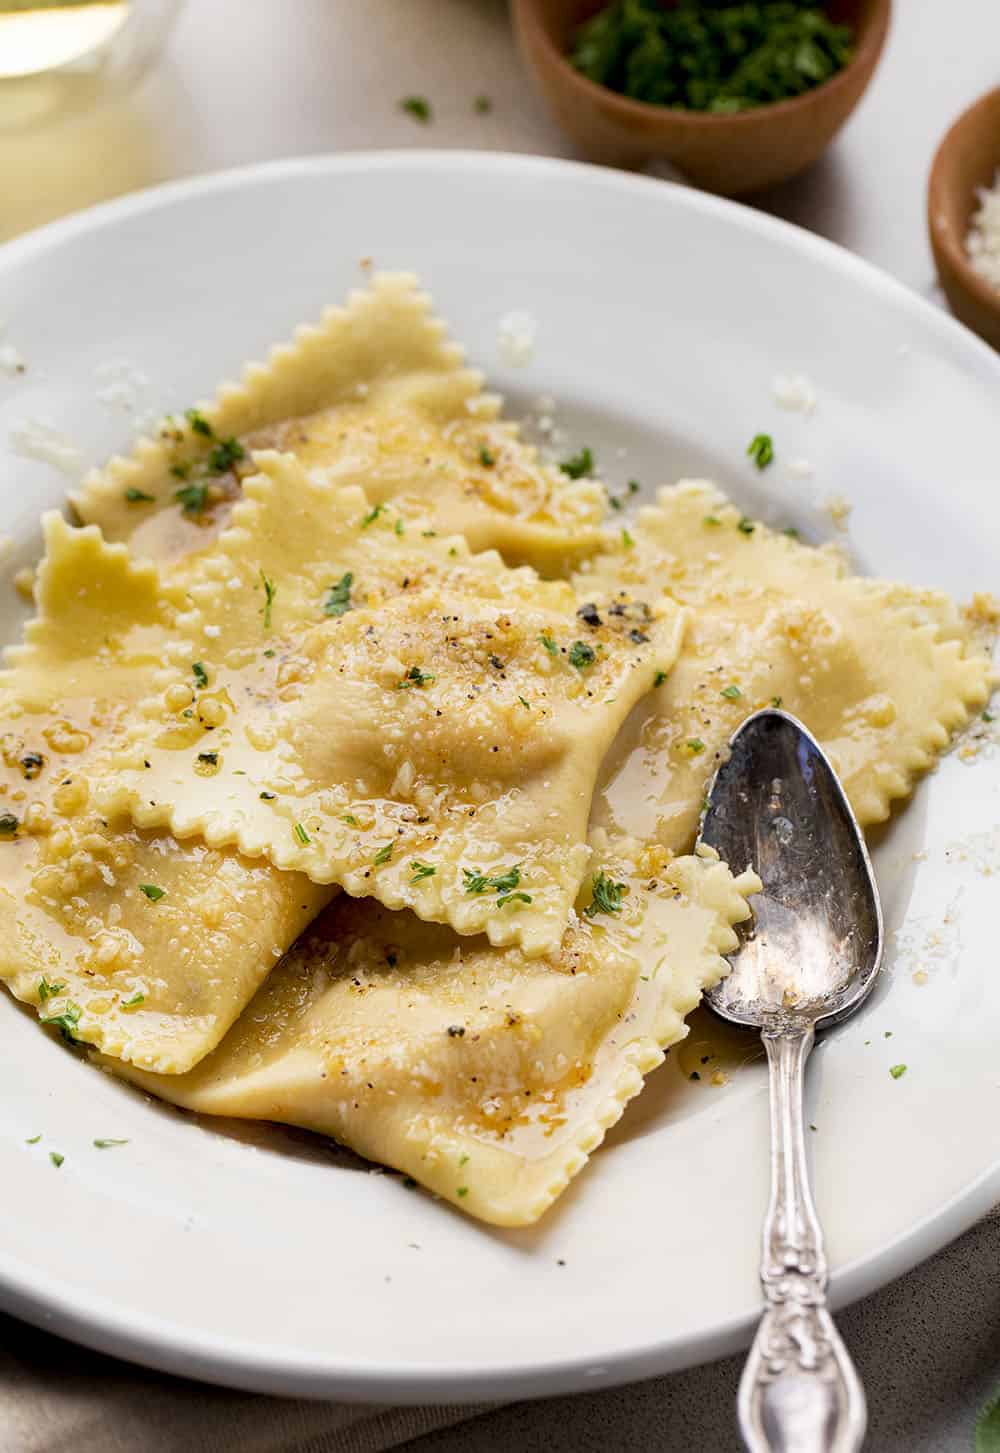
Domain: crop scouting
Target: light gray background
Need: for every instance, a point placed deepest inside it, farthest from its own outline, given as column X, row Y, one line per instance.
column 247, row 80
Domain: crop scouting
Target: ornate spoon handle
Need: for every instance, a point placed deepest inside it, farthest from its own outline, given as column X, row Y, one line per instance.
column 799, row 1392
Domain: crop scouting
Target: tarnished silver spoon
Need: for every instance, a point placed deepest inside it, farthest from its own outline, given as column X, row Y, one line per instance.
column 811, row 958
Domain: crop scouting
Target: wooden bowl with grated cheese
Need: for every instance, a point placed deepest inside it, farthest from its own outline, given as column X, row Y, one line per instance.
column 967, row 166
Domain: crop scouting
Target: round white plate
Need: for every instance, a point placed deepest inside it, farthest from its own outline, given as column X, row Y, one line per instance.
column 251, row 1256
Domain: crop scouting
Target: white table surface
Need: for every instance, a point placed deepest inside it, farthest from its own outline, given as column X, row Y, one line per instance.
column 248, row 80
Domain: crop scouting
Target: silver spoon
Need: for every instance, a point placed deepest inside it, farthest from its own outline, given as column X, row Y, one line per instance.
column 809, row 961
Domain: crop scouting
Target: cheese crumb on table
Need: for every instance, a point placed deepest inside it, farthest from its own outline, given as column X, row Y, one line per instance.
column 516, row 336
column 794, row 392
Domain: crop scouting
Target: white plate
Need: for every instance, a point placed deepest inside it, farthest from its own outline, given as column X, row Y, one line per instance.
column 253, row 1257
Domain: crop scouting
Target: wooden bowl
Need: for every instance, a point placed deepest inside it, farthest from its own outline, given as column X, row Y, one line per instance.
column 968, row 158
column 732, row 154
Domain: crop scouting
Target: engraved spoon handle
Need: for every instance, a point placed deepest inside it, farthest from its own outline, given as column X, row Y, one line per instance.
column 799, row 1392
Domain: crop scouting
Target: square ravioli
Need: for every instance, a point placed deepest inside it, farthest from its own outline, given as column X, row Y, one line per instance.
column 487, row 1076
column 375, row 395
column 128, row 940
column 369, row 703
column 882, row 674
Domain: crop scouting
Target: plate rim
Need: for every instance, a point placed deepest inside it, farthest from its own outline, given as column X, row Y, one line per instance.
column 104, row 1325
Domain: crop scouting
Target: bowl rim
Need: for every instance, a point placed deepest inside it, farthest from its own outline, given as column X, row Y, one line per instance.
column 944, row 240
column 527, row 18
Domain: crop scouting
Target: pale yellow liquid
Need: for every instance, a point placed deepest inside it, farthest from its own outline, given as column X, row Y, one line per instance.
column 39, row 35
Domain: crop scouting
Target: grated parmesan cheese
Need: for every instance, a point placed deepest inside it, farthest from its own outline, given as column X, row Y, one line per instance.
column 982, row 242
column 794, row 392
column 516, row 335
column 32, row 439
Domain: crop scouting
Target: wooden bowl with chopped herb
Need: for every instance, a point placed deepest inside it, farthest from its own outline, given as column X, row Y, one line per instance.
column 963, row 216
column 737, row 96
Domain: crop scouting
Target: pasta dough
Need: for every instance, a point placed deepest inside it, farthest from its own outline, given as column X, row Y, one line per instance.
column 431, row 738
column 144, row 946
column 487, row 1076
column 373, row 395
column 880, row 673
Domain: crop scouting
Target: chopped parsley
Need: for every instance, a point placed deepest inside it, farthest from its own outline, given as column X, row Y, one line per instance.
column 482, row 105
column 383, row 855
column 776, row 702
column 8, row 824
column 301, row 834
column 581, row 655
column 135, row 496
column 486, row 458
column 525, row 704
column 137, row 998
column 192, row 498
column 372, row 516
column 506, row 885
column 400, row 525
column 199, row 424
column 200, row 674
column 210, row 759
column 462, row 1191
column 33, row 1140
column 519, row 897
column 107, row 1144
column 47, row 991
column 746, row 526
column 66, row 1022
column 761, row 450
column 181, row 468
column 579, row 465
column 897, row 1071
column 791, row 532
column 418, row 107
column 549, row 645
column 711, row 520
column 56, row 1158
column 627, row 540
column 605, row 895
column 414, row 677
column 350, row 819
column 270, row 591
column 151, row 891
column 338, row 601
column 731, row 693
column 634, row 486
column 421, row 870
column 695, row 745
column 659, row 678
column 988, row 716
column 225, row 454
column 718, row 58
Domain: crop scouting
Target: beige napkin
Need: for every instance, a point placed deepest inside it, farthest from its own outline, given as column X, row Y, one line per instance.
column 59, row 1398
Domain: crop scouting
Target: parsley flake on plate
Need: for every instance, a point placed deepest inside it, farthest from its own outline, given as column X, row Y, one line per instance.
column 761, row 450
column 200, row 675
column 383, row 855
column 192, row 498
column 270, row 591
column 152, row 892
column 421, row 870
column 579, row 465
column 135, row 496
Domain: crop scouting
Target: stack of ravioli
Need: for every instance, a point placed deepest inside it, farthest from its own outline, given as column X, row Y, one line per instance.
column 351, row 768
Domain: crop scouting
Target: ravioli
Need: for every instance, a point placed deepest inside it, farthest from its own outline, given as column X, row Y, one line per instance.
column 155, row 976
column 881, row 674
column 487, row 1076
column 374, row 395
column 363, row 701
